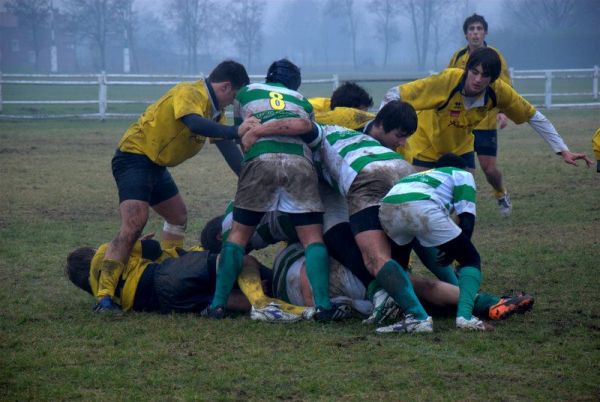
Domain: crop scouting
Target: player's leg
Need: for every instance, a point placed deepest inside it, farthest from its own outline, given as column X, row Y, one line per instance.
column 428, row 256
column 486, row 147
column 174, row 212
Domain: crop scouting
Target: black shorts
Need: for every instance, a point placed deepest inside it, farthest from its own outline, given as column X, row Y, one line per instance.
column 486, row 142
column 469, row 157
column 365, row 219
column 138, row 178
column 187, row 283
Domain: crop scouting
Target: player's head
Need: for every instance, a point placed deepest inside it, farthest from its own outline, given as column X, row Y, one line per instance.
column 226, row 79
column 350, row 94
column 394, row 123
column 475, row 29
column 483, row 67
column 230, row 71
column 210, row 237
column 284, row 72
column 475, row 19
column 451, row 160
column 78, row 267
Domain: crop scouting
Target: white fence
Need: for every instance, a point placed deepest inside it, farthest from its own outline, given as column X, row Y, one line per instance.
column 102, row 81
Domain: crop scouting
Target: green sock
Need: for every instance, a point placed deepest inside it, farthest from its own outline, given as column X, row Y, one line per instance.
column 230, row 265
column 469, row 280
column 398, row 285
column 428, row 255
column 317, row 270
column 483, row 302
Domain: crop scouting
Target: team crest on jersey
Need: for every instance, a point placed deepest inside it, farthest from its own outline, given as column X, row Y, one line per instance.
column 454, row 113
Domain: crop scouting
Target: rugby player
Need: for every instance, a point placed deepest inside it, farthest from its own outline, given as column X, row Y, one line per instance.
column 277, row 175
column 596, row 148
column 170, row 131
column 459, row 100
column 475, row 29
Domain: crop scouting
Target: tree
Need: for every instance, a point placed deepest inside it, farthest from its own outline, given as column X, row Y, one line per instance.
column 95, row 20
column 346, row 10
column 542, row 15
column 126, row 21
column 386, row 24
column 195, row 24
column 246, row 27
column 35, row 15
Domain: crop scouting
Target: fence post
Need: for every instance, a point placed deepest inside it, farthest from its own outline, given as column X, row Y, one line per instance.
column 548, row 90
column 511, row 74
column 336, row 81
column 0, row 91
column 102, row 94
column 594, row 84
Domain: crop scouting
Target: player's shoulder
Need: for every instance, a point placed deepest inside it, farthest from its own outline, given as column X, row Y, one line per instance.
column 462, row 52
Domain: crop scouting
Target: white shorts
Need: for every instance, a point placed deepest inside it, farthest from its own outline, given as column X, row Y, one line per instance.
column 336, row 208
column 427, row 221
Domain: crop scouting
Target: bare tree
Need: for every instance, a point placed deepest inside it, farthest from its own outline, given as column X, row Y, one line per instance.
column 35, row 15
column 347, row 11
column 246, row 27
column 386, row 23
column 421, row 14
column 543, row 15
column 195, row 24
column 126, row 20
column 95, row 20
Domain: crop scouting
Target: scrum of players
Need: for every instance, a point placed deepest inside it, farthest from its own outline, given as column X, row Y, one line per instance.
column 347, row 194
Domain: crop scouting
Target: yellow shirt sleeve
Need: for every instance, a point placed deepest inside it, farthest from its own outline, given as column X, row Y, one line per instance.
column 596, row 144
column 517, row 108
column 430, row 92
column 187, row 100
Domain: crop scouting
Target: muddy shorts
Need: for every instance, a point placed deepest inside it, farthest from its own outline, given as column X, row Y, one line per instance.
column 278, row 182
column 427, row 221
column 374, row 182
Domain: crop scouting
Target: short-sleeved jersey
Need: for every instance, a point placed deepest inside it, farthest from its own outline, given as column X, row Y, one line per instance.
column 459, row 60
column 448, row 125
column 344, row 153
column 161, row 135
column 273, row 227
column 126, row 281
column 596, row 144
column 271, row 102
column 450, row 188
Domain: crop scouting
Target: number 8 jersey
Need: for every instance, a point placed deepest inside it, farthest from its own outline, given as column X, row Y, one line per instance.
column 271, row 102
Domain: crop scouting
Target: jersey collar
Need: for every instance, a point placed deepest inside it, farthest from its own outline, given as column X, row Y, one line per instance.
column 216, row 112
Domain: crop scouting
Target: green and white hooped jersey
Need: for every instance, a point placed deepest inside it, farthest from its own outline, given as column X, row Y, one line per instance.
column 344, row 153
column 274, row 227
column 288, row 258
column 268, row 103
column 451, row 188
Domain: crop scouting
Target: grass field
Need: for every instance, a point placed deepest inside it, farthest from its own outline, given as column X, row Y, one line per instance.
column 58, row 194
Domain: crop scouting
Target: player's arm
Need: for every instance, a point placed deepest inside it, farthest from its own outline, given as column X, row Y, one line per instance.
column 520, row 110
column 296, row 126
column 426, row 93
column 208, row 128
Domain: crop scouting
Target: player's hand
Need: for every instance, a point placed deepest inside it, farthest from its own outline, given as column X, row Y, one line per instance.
column 250, row 137
column 247, row 124
column 106, row 305
column 571, row 158
column 502, row 120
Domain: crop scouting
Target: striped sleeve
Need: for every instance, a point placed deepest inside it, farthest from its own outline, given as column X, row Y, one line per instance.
column 465, row 193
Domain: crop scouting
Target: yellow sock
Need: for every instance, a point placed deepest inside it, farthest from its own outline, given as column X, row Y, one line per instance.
column 250, row 284
column 110, row 272
column 499, row 193
column 172, row 243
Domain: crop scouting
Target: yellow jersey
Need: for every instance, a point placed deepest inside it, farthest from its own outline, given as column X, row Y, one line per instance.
column 459, row 60
column 449, row 124
column 320, row 105
column 596, row 144
column 127, row 279
column 159, row 133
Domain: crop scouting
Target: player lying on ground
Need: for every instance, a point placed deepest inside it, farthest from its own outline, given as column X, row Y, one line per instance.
column 290, row 284
column 176, row 280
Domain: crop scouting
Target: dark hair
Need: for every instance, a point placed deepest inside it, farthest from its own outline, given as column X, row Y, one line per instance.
column 209, row 237
column 231, row 71
column 284, row 72
column 451, row 160
column 397, row 114
column 78, row 267
column 489, row 60
column 472, row 20
column 350, row 94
